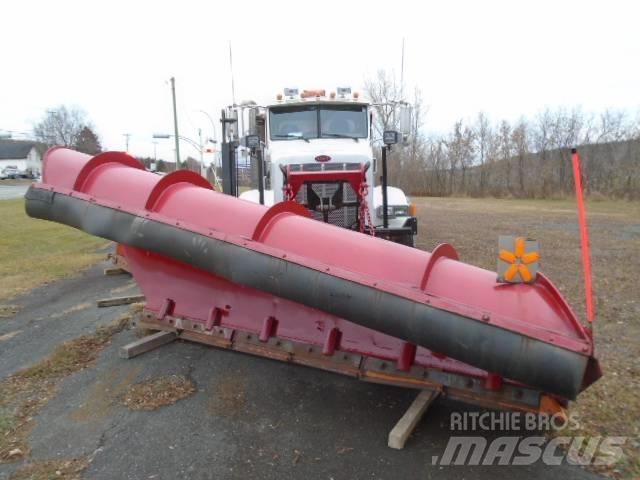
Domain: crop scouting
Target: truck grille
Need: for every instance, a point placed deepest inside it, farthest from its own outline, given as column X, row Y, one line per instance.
column 332, row 202
column 322, row 167
column 342, row 214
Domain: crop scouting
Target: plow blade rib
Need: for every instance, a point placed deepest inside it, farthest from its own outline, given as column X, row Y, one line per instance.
column 525, row 333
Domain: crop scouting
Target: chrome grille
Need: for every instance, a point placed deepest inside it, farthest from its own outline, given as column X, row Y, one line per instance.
column 344, row 216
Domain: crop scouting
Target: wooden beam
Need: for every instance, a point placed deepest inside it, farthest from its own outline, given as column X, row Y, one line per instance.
column 407, row 424
column 114, row 271
column 146, row 344
column 112, row 302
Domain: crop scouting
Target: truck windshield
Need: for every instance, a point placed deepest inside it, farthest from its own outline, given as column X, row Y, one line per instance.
column 318, row 121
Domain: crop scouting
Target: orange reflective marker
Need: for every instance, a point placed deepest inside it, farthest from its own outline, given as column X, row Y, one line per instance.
column 511, row 272
column 519, row 247
column 507, row 256
column 518, row 259
column 524, row 272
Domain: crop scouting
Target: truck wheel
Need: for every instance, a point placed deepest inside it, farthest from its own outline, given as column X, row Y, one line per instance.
column 408, row 240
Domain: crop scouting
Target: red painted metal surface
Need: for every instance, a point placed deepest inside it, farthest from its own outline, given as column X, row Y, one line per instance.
column 179, row 290
column 298, row 178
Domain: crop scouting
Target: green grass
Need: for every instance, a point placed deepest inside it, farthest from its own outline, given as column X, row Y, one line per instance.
column 34, row 252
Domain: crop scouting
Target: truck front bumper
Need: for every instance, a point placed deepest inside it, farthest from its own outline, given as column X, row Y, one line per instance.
column 409, row 227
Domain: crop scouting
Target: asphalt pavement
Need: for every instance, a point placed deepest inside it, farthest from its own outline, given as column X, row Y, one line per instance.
column 249, row 418
column 12, row 191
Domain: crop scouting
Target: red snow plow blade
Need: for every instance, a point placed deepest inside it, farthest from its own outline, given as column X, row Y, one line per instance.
column 270, row 280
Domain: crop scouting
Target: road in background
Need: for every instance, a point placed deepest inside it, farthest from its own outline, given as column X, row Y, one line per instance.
column 12, row 191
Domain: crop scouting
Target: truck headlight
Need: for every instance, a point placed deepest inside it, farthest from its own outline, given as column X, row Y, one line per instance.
column 393, row 211
column 401, row 210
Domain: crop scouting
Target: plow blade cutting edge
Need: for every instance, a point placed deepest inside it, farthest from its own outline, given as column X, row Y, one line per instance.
column 218, row 260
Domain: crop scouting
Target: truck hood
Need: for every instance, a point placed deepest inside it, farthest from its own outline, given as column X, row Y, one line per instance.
column 344, row 150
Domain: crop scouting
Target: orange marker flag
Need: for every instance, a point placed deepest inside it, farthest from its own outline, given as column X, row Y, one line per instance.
column 584, row 233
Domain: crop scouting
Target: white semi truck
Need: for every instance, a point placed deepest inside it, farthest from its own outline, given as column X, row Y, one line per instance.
column 318, row 150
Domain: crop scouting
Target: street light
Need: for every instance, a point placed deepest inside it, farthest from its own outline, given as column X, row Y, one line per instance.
column 197, row 145
column 213, row 125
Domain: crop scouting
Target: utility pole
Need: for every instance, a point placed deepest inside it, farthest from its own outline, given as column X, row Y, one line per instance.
column 201, row 148
column 385, row 201
column 175, row 122
column 126, row 136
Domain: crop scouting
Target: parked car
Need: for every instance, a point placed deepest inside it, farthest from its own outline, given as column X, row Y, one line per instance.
column 11, row 171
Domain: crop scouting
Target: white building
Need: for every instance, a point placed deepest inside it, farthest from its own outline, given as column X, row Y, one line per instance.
column 26, row 156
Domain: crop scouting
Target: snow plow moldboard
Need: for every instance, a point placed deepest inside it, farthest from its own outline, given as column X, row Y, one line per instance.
column 278, row 264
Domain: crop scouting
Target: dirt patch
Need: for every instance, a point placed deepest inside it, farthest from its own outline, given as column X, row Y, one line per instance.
column 75, row 308
column 63, row 469
column 124, row 288
column 159, row 392
column 7, row 311
column 75, row 354
column 24, row 393
column 10, row 335
column 141, row 332
column 104, row 395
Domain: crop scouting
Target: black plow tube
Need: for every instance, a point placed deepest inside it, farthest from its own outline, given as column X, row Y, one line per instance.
column 541, row 365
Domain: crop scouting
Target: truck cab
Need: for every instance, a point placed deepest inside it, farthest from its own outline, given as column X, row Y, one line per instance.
column 318, row 151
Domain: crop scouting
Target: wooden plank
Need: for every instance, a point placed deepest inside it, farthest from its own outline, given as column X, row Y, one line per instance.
column 112, row 302
column 146, row 344
column 114, row 271
column 407, row 424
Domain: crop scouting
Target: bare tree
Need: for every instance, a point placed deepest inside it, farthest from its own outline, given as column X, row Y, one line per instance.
column 61, row 126
column 528, row 158
column 385, row 94
column 482, row 134
column 519, row 138
column 506, row 152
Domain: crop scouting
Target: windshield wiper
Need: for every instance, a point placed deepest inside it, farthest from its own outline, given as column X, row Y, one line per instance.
column 341, row 135
column 300, row 137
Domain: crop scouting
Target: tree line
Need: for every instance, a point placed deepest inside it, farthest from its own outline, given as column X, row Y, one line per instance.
column 528, row 158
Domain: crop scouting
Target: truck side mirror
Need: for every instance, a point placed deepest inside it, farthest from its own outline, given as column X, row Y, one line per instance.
column 253, row 121
column 391, row 137
column 251, row 141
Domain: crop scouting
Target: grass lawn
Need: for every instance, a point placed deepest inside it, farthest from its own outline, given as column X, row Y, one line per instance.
column 34, row 252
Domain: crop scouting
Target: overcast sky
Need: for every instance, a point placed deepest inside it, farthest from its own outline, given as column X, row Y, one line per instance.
column 113, row 58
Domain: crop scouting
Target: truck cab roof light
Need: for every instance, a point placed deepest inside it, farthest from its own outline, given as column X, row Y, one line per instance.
column 313, row 93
